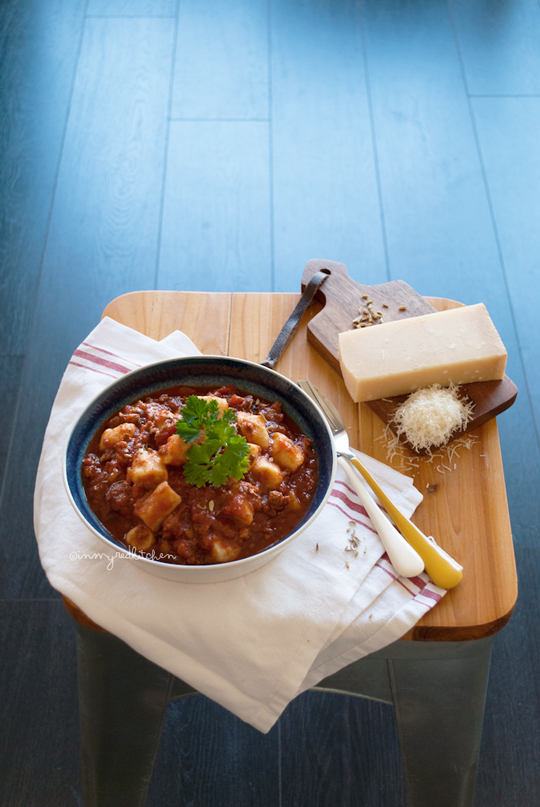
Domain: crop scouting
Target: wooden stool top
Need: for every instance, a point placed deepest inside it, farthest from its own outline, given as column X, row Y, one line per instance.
column 464, row 507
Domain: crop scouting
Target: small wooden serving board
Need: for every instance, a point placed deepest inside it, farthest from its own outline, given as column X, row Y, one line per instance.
column 344, row 299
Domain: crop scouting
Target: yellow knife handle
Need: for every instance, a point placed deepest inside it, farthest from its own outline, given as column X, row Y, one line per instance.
column 443, row 570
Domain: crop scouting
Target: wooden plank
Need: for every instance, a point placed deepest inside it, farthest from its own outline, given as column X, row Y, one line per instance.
column 131, row 8
column 10, row 379
column 512, row 701
column 508, row 134
column 203, row 317
column 104, row 228
column 209, row 757
column 325, row 186
column 38, row 58
column 102, row 241
column 216, row 216
column 508, row 139
column 435, row 208
column 39, row 741
column 338, row 750
column 499, row 45
column 221, row 65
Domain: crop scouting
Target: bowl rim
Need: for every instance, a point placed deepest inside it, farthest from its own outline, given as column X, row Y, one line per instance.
column 202, row 569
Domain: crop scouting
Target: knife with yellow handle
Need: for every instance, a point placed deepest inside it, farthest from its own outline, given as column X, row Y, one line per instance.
column 442, row 569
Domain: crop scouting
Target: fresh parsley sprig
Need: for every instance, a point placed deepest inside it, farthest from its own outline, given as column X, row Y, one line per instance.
column 221, row 454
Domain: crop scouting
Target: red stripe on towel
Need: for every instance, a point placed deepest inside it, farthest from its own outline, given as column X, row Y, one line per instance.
column 348, row 515
column 431, row 595
column 357, row 508
column 93, row 369
column 108, row 352
column 82, row 354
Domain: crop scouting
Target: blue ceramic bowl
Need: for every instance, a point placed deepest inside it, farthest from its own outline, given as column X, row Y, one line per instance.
column 198, row 371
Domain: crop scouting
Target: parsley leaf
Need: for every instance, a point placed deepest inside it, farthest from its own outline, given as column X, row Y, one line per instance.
column 220, row 453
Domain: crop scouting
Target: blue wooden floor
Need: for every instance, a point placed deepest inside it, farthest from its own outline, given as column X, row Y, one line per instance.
column 203, row 145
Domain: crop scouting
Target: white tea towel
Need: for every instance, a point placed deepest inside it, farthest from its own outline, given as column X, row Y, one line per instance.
column 253, row 643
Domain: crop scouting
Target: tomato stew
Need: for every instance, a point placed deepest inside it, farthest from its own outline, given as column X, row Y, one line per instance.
column 134, row 480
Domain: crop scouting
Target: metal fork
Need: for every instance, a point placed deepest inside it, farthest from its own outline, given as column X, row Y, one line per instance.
column 422, row 551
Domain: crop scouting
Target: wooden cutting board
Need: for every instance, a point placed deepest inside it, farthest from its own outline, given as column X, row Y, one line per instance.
column 344, row 300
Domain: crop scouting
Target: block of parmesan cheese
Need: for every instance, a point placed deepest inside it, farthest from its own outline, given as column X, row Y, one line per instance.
column 456, row 346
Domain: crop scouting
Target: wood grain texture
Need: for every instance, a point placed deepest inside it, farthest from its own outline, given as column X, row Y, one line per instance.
column 340, row 751
column 102, row 242
column 209, row 757
column 507, row 133
column 221, row 65
column 216, row 217
column 511, row 736
column 324, row 178
column 10, row 378
column 38, row 55
column 131, row 8
column 436, row 212
column 159, row 313
column 106, row 210
column 21, row 573
column 499, row 46
column 39, row 741
column 508, row 137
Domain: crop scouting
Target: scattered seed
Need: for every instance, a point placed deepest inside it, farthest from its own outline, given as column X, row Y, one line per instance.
column 316, row 547
column 347, row 564
column 402, row 308
column 384, row 305
column 211, row 505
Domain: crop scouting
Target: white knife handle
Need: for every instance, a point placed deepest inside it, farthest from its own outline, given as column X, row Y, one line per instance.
column 405, row 560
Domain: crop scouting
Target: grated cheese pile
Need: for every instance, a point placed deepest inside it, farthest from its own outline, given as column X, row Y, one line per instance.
column 430, row 416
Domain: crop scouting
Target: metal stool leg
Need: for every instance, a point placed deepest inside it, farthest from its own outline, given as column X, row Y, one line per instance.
column 439, row 700
column 123, row 699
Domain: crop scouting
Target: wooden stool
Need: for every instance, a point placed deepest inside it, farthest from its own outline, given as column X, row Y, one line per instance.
column 436, row 677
